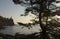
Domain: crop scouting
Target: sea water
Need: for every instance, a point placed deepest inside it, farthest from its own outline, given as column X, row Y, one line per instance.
column 12, row 30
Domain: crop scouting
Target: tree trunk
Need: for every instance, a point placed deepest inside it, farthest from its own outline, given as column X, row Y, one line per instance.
column 42, row 27
column 43, row 35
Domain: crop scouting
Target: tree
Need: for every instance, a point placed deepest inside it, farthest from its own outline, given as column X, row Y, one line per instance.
column 40, row 8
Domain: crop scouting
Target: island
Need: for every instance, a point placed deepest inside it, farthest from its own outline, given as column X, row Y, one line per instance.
column 6, row 21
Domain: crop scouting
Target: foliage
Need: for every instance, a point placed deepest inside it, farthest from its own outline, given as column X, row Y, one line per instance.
column 40, row 8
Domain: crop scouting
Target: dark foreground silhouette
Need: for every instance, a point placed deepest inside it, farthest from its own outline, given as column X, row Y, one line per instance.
column 30, row 36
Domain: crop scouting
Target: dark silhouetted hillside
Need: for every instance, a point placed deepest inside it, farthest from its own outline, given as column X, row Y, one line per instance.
column 6, row 21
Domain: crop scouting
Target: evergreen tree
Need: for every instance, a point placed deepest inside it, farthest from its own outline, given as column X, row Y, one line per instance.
column 40, row 8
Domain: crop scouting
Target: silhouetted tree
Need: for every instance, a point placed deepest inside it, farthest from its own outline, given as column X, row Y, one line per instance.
column 40, row 8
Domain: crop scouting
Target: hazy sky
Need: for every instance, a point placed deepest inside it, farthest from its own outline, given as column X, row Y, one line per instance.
column 8, row 9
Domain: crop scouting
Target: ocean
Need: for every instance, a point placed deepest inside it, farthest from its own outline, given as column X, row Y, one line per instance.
column 12, row 30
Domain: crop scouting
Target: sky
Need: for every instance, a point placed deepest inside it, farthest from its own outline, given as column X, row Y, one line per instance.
column 9, row 9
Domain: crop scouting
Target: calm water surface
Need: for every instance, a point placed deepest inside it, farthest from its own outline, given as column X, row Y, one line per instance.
column 18, row 29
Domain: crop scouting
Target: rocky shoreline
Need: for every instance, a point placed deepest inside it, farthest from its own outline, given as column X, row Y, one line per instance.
column 23, row 36
column 18, row 36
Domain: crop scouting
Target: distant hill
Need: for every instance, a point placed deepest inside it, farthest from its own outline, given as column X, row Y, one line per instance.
column 6, row 21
